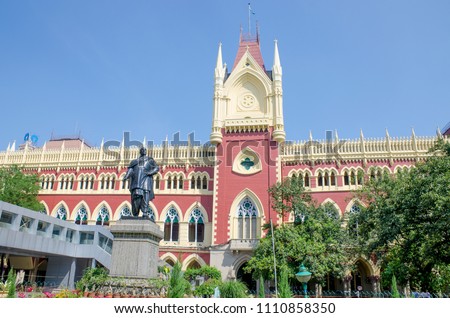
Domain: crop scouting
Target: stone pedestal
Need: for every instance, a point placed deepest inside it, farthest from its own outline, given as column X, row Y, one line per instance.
column 135, row 251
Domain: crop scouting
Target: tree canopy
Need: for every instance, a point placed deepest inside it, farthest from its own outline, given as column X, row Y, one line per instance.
column 407, row 222
column 19, row 188
column 315, row 238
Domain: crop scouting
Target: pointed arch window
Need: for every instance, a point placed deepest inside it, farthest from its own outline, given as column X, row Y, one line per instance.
column 205, row 183
column 331, row 210
column 175, row 182
column 333, row 179
column 171, row 225
column 61, row 213
column 169, row 183
column 354, row 227
column 125, row 211
column 103, row 216
column 81, row 183
column 180, row 182
column 157, row 182
column 247, row 214
column 196, row 226
column 82, row 215
column 306, row 181
column 346, row 178
column 150, row 214
column 326, row 179
column 320, row 180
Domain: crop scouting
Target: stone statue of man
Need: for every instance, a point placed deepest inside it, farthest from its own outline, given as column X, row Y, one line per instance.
column 140, row 172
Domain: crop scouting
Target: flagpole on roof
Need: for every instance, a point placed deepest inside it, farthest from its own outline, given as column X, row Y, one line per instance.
column 249, row 11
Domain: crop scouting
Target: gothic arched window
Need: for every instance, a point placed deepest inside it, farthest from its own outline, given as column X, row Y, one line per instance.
column 151, row 214
column 247, row 214
column 82, row 215
column 125, row 211
column 196, row 226
column 171, row 225
column 103, row 216
column 61, row 213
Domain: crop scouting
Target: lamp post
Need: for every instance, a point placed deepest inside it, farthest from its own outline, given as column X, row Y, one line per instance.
column 303, row 276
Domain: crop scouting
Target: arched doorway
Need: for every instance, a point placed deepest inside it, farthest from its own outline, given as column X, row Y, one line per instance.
column 194, row 265
column 246, row 278
column 360, row 277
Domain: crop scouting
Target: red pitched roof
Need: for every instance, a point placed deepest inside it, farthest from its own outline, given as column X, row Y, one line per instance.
column 253, row 48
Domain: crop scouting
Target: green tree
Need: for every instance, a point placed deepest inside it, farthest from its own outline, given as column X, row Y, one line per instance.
column 316, row 238
column 407, row 220
column 178, row 285
column 284, row 290
column 206, row 271
column 19, row 188
column 11, row 283
column 261, row 291
column 394, row 289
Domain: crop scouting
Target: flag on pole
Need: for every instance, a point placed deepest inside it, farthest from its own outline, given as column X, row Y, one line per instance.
column 250, row 9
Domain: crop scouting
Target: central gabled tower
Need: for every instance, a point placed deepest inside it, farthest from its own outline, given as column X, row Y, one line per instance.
column 247, row 130
column 250, row 98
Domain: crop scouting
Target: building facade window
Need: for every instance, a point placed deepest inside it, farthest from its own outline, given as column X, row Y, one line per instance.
column 171, row 225
column 103, row 216
column 61, row 213
column 196, row 226
column 82, row 215
column 125, row 211
column 247, row 214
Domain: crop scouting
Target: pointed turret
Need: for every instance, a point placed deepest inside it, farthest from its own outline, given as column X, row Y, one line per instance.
column 276, row 69
column 9, row 145
column 438, row 132
column 279, row 134
column 336, row 137
column 13, row 146
column 220, row 70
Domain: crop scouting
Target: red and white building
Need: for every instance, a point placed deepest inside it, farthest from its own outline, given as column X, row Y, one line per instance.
column 212, row 200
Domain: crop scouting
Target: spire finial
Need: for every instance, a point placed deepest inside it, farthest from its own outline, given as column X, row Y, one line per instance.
column 438, row 132
column 219, row 63
column 276, row 56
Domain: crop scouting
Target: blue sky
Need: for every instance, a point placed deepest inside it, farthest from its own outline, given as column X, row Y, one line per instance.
column 88, row 66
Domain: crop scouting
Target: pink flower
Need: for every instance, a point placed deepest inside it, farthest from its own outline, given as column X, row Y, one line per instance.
column 21, row 295
column 49, row 294
column 29, row 289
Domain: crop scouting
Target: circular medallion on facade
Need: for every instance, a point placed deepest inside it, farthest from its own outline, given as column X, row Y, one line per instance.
column 247, row 101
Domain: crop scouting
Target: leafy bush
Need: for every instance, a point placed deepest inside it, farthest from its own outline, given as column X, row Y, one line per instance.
column 178, row 285
column 207, row 288
column 92, row 278
column 284, row 290
column 394, row 290
column 11, row 284
column 233, row 289
column 206, row 271
column 65, row 293
column 261, row 292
